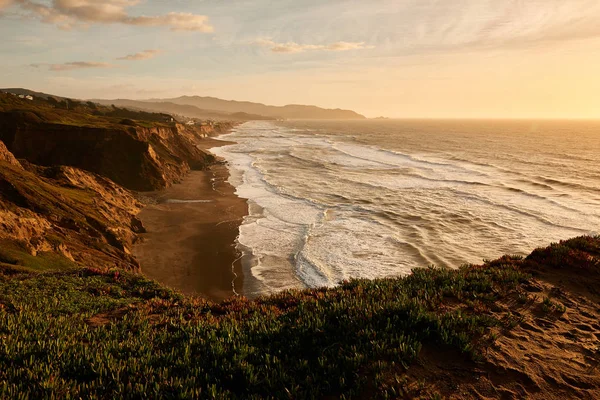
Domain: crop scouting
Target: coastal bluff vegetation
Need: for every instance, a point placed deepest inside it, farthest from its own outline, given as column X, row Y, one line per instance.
column 79, row 320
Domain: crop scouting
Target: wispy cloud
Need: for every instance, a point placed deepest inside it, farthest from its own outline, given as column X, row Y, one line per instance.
column 73, row 65
column 68, row 14
column 5, row 3
column 142, row 55
column 293, row 47
column 176, row 21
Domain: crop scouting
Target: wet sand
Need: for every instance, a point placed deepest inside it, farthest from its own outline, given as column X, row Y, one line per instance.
column 192, row 227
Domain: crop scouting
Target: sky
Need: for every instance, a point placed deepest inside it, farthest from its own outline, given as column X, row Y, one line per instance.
column 394, row 58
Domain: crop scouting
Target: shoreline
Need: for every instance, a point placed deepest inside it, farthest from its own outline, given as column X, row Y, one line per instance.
column 192, row 230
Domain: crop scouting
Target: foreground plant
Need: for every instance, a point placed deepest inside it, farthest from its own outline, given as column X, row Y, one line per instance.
column 112, row 334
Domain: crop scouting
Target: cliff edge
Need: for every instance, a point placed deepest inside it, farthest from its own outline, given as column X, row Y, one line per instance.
column 63, row 216
column 137, row 154
column 66, row 171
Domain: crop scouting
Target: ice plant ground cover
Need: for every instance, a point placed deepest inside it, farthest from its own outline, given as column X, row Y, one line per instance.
column 96, row 333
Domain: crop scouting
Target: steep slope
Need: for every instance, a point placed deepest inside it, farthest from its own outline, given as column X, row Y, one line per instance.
column 8, row 157
column 61, row 167
column 139, row 155
column 63, row 216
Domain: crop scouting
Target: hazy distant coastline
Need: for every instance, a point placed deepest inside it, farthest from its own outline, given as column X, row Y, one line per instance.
column 214, row 108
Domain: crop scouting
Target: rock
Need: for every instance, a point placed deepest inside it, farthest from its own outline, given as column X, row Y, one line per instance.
column 69, row 195
column 8, row 157
column 78, row 215
column 137, row 158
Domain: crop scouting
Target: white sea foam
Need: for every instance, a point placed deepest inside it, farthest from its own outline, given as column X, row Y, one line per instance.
column 327, row 206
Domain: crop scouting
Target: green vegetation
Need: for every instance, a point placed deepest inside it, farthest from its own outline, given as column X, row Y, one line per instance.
column 549, row 306
column 571, row 255
column 98, row 334
column 16, row 258
column 76, row 113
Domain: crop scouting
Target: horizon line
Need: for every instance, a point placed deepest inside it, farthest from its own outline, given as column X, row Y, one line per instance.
column 381, row 117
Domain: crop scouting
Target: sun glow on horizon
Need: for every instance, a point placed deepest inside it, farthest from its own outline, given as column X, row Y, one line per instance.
column 396, row 58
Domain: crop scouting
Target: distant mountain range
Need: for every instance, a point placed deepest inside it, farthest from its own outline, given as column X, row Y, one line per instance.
column 214, row 108
column 181, row 109
column 292, row 111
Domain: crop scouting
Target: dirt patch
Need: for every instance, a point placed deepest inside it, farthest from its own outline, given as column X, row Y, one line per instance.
column 105, row 318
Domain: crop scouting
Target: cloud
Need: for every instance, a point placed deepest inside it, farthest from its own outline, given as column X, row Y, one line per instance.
column 143, row 55
column 73, row 65
column 5, row 4
column 292, row 47
column 344, row 46
column 177, row 22
column 67, row 14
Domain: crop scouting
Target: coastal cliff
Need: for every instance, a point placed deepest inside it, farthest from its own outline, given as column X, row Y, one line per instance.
column 66, row 176
column 63, row 216
column 8, row 157
column 137, row 158
column 78, row 320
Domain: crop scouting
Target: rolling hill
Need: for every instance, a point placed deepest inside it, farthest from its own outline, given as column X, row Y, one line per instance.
column 186, row 110
column 214, row 108
column 292, row 111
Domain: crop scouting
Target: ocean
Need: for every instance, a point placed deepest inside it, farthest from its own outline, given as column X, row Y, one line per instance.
column 330, row 201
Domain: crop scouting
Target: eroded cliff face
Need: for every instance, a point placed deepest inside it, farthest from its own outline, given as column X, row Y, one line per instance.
column 64, row 216
column 65, row 176
column 136, row 157
column 8, row 157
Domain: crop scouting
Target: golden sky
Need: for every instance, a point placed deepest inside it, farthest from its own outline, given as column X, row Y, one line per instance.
column 398, row 58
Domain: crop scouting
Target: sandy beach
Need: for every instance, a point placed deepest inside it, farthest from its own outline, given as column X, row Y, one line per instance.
column 191, row 231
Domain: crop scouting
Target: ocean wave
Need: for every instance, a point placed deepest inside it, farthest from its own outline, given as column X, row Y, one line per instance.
column 536, row 184
column 328, row 204
column 519, row 211
column 567, row 184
